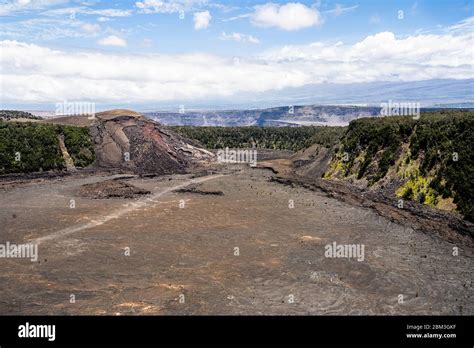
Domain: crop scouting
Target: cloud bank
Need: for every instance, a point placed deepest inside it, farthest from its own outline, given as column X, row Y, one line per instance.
column 168, row 6
column 33, row 73
column 239, row 37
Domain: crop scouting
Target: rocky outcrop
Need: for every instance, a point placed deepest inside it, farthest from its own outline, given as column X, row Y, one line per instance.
column 127, row 140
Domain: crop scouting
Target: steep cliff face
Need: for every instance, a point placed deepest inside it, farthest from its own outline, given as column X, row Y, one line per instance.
column 127, row 140
column 427, row 160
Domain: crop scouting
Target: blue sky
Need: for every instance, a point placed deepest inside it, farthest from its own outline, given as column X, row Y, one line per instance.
column 346, row 21
column 272, row 45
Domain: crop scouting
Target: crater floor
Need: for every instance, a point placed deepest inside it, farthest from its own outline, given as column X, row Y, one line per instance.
column 243, row 252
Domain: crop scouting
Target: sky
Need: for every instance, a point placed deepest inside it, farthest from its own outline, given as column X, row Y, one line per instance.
column 187, row 51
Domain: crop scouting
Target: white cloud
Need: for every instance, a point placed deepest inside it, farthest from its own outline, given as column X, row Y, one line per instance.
column 291, row 16
column 112, row 40
column 239, row 37
column 245, row 15
column 339, row 9
column 16, row 6
column 33, row 73
column 48, row 29
column 383, row 57
column 202, row 20
column 465, row 25
column 91, row 28
column 109, row 12
column 168, row 6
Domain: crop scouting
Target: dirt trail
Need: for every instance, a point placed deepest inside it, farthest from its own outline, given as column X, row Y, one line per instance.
column 67, row 158
column 100, row 220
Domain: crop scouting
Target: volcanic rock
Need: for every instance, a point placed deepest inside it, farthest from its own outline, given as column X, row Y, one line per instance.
column 127, row 140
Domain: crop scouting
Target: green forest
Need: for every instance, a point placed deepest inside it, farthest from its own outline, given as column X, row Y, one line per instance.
column 275, row 138
column 30, row 147
column 14, row 114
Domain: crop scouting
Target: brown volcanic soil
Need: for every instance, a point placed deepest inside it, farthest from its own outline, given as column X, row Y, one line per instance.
column 111, row 189
column 191, row 251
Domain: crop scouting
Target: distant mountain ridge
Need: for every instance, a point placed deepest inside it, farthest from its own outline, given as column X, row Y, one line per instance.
column 429, row 93
column 329, row 115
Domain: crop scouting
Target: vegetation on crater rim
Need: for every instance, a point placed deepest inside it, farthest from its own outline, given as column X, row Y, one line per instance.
column 432, row 156
column 14, row 114
column 274, row 138
column 31, row 147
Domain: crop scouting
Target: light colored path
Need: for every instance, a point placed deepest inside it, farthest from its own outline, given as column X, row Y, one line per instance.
column 120, row 212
